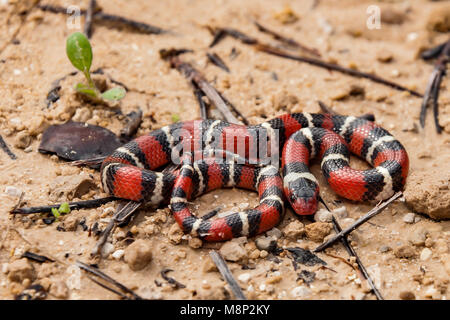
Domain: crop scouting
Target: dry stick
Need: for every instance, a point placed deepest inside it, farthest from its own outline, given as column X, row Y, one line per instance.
column 331, row 66
column 226, row 273
column 134, row 120
column 196, row 77
column 216, row 60
column 287, row 41
column 434, row 84
column 176, row 284
column 313, row 61
column 199, row 95
column 372, row 213
column 88, row 21
column 327, row 109
column 119, row 217
column 351, row 251
column 104, row 17
column 7, row 150
column 107, row 278
column 87, row 204
column 244, row 119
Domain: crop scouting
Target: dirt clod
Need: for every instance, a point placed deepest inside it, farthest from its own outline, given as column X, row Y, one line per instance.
column 428, row 192
column 138, row 254
column 232, row 251
column 407, row 295
column 294, row 230
column 20, row 270
column 317, row 231
column 59, row 290
column 405, row 251
column 65, row 188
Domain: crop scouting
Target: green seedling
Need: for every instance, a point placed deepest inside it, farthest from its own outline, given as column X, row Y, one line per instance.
column 63, row 209
column 79, row 52
column 56, row 213
column 175, row 118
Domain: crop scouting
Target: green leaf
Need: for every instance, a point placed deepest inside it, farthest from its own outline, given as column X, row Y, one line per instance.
column 175, row 118
column 86, row 90
column 79, row 51
column 114, row 94
column 55, row 212
column 64, row 208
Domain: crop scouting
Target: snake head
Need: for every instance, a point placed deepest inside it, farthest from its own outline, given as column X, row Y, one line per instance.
column 303, row 198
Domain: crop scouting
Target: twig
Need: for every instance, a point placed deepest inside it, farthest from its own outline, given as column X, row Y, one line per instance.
column 313, row 61
column 88, row 21
column 36, row 257
column 434, row 84
column 199, row 95
column 287, row 41
column 216, row 60
column 326, row 109
column 121, row 215
column 372, row 213
column 87, row 204
column 196, row 77
column 7, row 150
column 107, row 278
column 134, row 120
column 226, row 273
column 170, row 280
column 104, row 17
column 351, row 251
column 335, row 67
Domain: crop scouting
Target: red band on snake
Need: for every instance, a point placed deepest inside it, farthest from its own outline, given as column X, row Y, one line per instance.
column 128, row 172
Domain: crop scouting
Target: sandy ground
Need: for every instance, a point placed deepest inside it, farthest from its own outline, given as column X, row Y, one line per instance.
column 405, row 259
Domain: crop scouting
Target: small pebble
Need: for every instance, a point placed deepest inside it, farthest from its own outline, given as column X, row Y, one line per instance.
column 245, row 277
column 118, row 254
column 409, row 218
column 300, row 291
column 341, row 212
column 266, row 243
column 323, row 215
column 195, row 243
column 426, row 254
column 274, row 232
column 232, row 251
column 13, row 191
column 107, row 249
column 384, row 249
column 407, row 295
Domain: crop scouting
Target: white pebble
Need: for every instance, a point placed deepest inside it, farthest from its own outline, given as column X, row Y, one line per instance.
column 118, row 254
column 244, row 277
column 15, row 121
column 5, row 267
column 409, row 217
column 300, row 291
column 262, row 287
column 107, row 249
column 323, row 216
column 13, row 191
column 341, row 212
column 426, row 254
column 412, row 36
column 17, row 72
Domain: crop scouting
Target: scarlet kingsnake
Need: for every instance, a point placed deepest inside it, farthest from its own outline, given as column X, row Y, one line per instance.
column 128, row 174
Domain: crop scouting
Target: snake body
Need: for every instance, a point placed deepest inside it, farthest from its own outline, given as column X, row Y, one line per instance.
column 129, row 173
